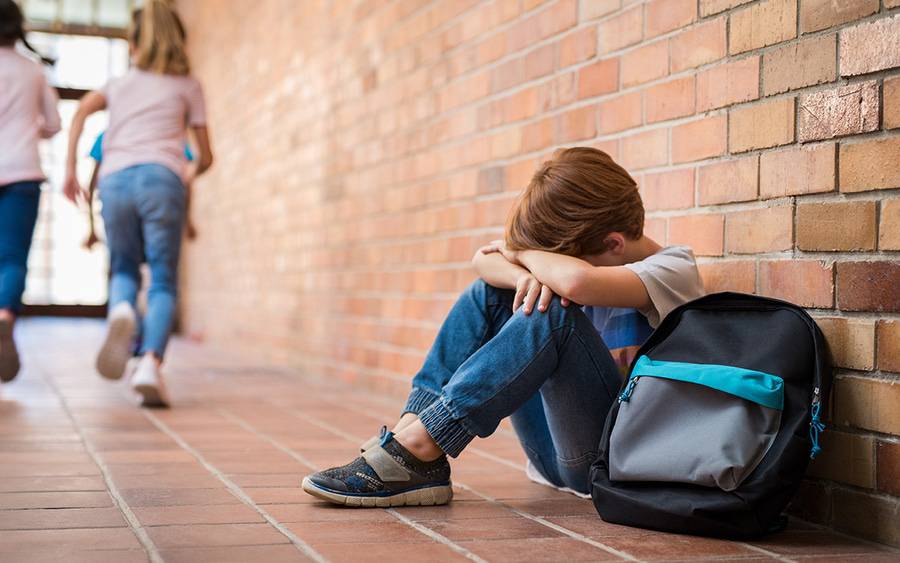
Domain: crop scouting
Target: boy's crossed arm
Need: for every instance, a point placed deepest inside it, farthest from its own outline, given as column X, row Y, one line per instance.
column 537, row 275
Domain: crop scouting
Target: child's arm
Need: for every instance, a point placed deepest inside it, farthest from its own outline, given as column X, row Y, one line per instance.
column 92, row 230
column 92, row 102
column 581, row 282
column 497, row 271
column 190, row 229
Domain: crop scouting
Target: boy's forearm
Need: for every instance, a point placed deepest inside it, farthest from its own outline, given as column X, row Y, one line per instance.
column 496, row 270
column 559, row 272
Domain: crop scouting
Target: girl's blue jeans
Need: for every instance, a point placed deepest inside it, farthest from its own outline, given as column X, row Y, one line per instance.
column 144, row 213
column 18, row 214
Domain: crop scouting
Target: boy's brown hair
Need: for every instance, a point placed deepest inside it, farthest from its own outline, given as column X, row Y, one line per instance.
column 573, row 202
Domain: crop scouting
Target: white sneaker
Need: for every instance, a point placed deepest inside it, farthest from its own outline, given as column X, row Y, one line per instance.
column 9, row 356
column 532, row 473
column 116, row 349
column 148, row 383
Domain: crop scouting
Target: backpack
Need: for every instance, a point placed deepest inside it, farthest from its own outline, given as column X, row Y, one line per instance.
column 715, row 425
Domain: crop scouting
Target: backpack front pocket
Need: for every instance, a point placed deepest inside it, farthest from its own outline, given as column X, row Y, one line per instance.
column 702, row 424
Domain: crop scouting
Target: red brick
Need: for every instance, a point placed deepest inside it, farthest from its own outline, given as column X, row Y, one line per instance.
column 665, row 15
column 805, row 282
column 846, row 225
column 538, row 135
column 622, row 30
column 577, row 124
column 797, row 171
column 646, row 149
column 731, row 275
column 822, row 14
column 699, row 45
column 869, row 403
column 669, row 100
column 850, row 341
column 540, row 62
column 887, row 472
column 728, row 181
column 703, row 233
column 709, row 7
column 601, row 77
column 848, row 110
column 869, row 165
column 645, row 63
column 703, row 138
column 620, row 113
column 668, row 190
column 578, row 46
column 727, row 84
column 655, row 228
column 889, row 225
column 888, row 332
column 867, row 516
column 891, row 95
column 796, row 65
column 766, row 23
column 769, row 229
column 763, row 125
column 847, row 458
column 868, row 286
column 871, row 46
column 591, row 9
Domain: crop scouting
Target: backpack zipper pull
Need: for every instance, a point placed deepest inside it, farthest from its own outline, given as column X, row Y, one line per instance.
column 816, row 426
column 629, row 389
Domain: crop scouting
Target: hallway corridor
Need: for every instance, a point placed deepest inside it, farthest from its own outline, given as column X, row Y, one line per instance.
column 87, row 476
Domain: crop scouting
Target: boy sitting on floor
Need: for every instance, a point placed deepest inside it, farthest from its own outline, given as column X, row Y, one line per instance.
column 516, row 344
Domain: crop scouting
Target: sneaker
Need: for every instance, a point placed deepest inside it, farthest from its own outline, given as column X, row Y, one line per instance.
column 384, row 475
column 9, row 356
column 116, row 349
column 148, row 383
column 532, row 473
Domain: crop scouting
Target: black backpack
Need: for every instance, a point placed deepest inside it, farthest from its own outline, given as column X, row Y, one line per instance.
column 718, row 420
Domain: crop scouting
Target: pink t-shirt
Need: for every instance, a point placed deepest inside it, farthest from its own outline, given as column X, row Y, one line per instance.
column 149, row 114
column 27, row 114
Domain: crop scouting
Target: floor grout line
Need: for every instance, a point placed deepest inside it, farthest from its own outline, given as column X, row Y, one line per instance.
column 133, row 522
column 435, row 536
column 765, row 551
column 537, row 519
column 237, row 491
column 421, row 528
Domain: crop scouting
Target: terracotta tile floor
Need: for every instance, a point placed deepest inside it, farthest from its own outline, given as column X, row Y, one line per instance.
column 86, row 476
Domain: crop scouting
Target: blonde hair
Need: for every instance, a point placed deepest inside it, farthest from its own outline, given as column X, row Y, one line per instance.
column 158, row 38
column 573, row 202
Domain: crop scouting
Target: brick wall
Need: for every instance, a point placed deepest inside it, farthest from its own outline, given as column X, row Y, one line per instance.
column 366, row 148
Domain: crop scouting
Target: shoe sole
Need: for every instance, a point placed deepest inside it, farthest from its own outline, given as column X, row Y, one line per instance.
column 430, row 496
column 150, row 396
column 116, row 349
column 9, row 356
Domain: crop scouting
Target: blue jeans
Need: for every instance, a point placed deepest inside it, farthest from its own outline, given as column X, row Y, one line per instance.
column 144, row 213
column 18, row 214
column 551, row 372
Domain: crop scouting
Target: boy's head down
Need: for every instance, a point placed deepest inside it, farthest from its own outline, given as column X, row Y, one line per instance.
column 574, row 203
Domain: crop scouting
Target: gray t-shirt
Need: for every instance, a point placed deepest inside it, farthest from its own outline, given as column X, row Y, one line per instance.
column 671, row 278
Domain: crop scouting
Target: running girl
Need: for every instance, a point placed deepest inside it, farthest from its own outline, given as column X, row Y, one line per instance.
column 27, row 114
column 142, row 188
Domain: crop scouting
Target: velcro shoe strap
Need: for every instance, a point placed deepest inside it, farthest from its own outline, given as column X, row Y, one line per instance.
column 386, row 467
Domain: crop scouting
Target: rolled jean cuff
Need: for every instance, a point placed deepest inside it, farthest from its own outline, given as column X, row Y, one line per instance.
column 448, row 433
column 419, row 400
